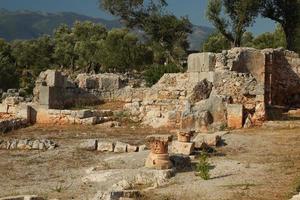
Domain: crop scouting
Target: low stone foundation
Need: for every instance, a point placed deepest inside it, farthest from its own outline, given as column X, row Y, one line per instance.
column 27, row 144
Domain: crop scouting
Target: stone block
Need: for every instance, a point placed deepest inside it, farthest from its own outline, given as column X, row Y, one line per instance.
column 104, row 146
column 52, row 97
column 184, row 148
column 120, row 147
column 143, row 147
column 201, row 62
column 23, row 197
column 81, row 114
column 132, row 148
column 22, row 144
column 54, row 78
column 235, row 116
column 210, row 139
column 35, row 145
column 109, row 82
column 89, row 121
column 90, row 145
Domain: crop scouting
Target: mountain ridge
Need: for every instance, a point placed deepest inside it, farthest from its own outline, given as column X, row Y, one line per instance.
column 24, row 24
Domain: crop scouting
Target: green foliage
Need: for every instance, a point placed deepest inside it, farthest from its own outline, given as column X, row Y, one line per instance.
column 166, row 33
column 168, row 37
column 121, row 51
column 239, row 14
column 270, row 40
column 216, row 42
column 155, row 72
column 203, row 167
column 287, row 14
column 9, row 78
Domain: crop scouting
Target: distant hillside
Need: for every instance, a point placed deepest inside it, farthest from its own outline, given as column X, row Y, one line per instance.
column 29, row 25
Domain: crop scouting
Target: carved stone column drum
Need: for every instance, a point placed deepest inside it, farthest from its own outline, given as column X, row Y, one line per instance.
column 158, row 157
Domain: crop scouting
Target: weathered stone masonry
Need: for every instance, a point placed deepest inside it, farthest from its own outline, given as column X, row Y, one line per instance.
column 235, row 87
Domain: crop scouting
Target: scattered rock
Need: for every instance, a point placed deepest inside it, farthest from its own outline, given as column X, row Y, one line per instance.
column 210, row 139
column 184, row 148
column 132, row 148
column 23, row 197
column 90, row 145
column 105, row 146
column 120, row 147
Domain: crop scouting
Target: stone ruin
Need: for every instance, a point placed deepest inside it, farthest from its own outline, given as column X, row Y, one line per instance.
column 236, row 88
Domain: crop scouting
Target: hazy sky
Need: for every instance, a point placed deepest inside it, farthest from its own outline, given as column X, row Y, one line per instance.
column 194, row 9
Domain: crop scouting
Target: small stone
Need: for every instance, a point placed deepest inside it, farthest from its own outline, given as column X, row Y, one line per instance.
column 120, row 147
column 89, row 145
column 143, row 147
column 41, row 146
column 13, row 144
column 51, row 147
column 210, row 139
column 22, row 144
column 184, row 148
column 132, row 148
column 35, row 145
column 104, row 146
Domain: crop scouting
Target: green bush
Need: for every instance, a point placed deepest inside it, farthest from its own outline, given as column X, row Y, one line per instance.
column 203, row 167
column 155, row 72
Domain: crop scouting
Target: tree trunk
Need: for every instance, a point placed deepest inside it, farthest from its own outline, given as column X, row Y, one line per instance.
column 289, row 32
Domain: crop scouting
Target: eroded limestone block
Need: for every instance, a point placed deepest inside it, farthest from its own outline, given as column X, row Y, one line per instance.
column 235, row 115
column 104, row 146
column 23, row 197
column 210, row 139
column 201, row 62
column 120, row 147
column 132, row 148
column 90, row 145
column 184, row 148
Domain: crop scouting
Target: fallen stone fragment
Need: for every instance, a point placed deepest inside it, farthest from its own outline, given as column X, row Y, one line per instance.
column 210, row 139
column 89, row 145
column 13, row 144
column 132, row 148
column 184, row 148
column 105, row 146
column 22, row 144
column 23, row 197
column 143, row 147
column 117, row 195
column 120, row 147
column 35, row 145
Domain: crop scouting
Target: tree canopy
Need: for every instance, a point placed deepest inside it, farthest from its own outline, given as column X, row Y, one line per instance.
column 238, row 15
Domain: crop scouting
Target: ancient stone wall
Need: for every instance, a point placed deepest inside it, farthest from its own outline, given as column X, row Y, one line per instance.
column 54, row 90
column 283, row 77
column 230, row 88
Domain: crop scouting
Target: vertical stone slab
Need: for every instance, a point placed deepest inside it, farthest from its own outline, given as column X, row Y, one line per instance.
column 235, row 116
column 44, row 96
column 201, row 62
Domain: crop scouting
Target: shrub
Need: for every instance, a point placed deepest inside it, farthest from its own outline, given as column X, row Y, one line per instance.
column 155, row 72
column 203, row 167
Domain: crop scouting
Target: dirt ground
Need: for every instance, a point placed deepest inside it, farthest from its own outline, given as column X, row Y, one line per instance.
column 260, row 164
